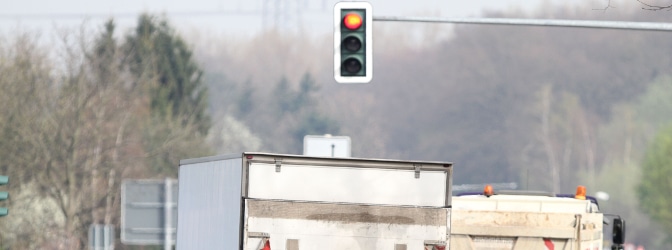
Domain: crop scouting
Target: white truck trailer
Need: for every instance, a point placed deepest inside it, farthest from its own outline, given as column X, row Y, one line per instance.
column 529, row 220
column 255, row 201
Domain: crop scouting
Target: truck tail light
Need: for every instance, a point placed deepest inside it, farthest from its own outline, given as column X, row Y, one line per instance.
column 267, row 245
column 435, row 245
column 549, row 244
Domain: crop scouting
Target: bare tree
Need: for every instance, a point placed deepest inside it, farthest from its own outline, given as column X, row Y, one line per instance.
column 67, row 132
column 545, row 138
column 654, row 7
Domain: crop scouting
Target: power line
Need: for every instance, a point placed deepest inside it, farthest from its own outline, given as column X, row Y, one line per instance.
column 536, row 22
column 135, row 14
column 127, row 14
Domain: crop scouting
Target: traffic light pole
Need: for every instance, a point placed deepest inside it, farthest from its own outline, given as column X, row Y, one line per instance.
column 534, row 22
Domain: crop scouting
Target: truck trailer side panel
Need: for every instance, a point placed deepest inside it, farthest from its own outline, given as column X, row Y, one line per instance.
column 210, row 191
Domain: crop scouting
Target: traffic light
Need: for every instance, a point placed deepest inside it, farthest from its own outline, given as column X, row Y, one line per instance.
column 353, row 40
column 4, row 195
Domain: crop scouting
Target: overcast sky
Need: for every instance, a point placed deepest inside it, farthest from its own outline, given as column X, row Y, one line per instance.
column 231, row 16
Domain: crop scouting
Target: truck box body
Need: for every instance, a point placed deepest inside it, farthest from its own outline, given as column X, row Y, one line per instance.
column 250, row 200
column 525, row 222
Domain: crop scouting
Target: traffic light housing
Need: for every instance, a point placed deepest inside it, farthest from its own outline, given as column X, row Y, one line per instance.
column 353, row 40
column 4, row 195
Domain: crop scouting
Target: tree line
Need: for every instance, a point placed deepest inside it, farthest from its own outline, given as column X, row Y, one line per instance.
column 83, row 114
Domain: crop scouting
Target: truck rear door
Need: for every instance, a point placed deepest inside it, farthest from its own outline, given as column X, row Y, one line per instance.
column 328, row 203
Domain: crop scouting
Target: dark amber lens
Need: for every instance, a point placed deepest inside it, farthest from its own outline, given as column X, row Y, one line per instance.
column 352, row 43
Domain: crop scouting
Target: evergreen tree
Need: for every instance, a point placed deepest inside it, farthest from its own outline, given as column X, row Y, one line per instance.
column 158, row 54
column 163, row 66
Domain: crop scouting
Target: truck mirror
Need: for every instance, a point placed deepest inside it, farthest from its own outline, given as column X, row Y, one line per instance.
column 618, row 233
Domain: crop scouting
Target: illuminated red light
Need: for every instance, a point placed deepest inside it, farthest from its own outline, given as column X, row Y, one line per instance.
column 352, row 21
